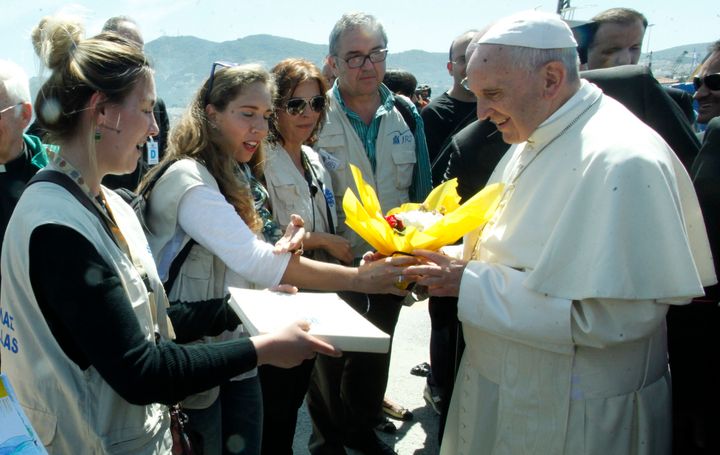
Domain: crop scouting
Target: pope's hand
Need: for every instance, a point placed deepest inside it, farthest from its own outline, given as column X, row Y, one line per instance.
column 440, row 273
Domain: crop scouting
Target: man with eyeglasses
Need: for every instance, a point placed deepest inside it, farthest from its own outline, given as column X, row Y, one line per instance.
column 365, row 127
column 21, row 155
column 693, row 336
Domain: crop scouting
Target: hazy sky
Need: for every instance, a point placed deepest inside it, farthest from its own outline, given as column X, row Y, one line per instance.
column 422, row 24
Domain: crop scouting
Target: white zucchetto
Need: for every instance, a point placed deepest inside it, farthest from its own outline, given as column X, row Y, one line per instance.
column 533, row 29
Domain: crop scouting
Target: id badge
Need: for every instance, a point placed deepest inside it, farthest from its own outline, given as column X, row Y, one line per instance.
column 153, row 152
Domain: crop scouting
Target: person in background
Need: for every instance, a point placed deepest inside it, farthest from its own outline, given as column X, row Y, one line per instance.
column 211, row 195
column 366, row 128
column 21, row 155
column 614, row 38
column 444, row 116
column 154, row 148
column 563, row 293
column 402, row 82
column 297, row 183
column 693, row 337
column 452, row 110
column 91, row 360
column 707, row 86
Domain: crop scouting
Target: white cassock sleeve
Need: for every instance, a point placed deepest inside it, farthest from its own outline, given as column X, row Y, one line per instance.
column 493, row 298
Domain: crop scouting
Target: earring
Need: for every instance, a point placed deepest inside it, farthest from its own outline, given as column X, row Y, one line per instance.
column 98, row 134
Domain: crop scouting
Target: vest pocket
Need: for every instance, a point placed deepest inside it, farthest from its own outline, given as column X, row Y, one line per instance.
column 45, row 424
column 404, row 161
column 195, row 280
column 288, row 198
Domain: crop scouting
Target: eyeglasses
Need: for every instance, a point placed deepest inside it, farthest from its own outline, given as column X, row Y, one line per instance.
column 711, row 81
column 211, row 80
column 465, row 85
column 296, row 106
column 459, row 61
column 359, row 60
column 2, row 111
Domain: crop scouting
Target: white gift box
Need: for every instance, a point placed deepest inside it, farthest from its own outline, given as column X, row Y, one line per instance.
column 331, row 319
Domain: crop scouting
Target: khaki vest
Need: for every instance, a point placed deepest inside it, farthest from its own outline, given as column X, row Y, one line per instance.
column 76, row 411
column 202, row 275
column 339, row 145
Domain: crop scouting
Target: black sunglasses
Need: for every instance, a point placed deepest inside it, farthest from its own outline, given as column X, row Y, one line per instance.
column 711, row 81
column 296, row 106
column 211, row 79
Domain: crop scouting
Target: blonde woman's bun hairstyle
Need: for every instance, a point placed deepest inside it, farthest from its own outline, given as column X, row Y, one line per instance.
column 56, row 38
column 108, row 64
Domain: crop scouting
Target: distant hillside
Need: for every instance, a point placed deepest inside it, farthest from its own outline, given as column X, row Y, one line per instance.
column 183, row 62
column 677, row 62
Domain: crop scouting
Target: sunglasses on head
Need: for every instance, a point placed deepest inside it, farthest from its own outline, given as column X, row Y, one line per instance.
column 711, row 81
column 211, row 79
column 296, row 106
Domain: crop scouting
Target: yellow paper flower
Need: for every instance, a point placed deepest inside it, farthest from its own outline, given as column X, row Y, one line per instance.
column 364, row 216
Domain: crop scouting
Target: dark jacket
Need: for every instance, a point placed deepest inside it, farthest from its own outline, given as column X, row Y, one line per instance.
column 474, row 152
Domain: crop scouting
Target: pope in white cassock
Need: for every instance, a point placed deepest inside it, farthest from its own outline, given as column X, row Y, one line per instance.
column 563, row 294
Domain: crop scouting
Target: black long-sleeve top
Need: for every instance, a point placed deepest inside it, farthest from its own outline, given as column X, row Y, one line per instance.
column 84, row 304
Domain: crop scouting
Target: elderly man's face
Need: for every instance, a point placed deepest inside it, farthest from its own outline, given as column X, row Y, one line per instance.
column 510, row 97
column 362, row 81
column 12, row 125
column 708, row 100
column 615, row 45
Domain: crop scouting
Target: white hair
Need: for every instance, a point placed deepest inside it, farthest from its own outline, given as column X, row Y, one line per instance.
column 530, row 59
column 15, row 81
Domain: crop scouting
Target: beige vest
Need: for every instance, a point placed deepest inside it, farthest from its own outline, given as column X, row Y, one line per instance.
column 339, row 146
column 202, row 275
column 289, row 194
column 76, row 411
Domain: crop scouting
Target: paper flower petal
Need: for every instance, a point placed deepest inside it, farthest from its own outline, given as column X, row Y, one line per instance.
column 364, row 216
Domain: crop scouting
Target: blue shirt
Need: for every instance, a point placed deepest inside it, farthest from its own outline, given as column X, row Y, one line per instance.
column 422, row 181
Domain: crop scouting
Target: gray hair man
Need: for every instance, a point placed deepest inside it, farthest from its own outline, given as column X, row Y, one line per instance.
column 563, row 294
column 370, row 128
column 21, row 155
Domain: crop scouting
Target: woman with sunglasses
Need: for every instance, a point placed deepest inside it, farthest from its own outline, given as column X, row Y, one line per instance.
column 91, row 359
column 297, row 183
column 207, row 195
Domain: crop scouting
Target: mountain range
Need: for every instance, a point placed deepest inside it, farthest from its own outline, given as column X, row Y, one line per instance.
column 183, row 62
